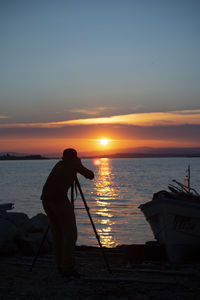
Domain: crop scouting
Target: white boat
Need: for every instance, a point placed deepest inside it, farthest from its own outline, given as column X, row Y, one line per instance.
column 174, row 218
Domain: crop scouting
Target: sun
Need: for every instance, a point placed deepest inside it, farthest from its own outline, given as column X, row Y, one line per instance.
column 104, row 142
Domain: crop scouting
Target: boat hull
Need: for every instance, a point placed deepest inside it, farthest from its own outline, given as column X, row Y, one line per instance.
column 176, row 224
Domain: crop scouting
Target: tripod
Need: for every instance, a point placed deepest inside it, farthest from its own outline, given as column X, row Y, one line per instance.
column 92, row 223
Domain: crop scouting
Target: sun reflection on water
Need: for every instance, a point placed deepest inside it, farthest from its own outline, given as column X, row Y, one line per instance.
column 105, row 193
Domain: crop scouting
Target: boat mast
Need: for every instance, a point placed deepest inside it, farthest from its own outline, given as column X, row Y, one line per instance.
column 189, row 178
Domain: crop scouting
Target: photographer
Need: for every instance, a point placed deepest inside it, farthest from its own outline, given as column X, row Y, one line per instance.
column 60, row 210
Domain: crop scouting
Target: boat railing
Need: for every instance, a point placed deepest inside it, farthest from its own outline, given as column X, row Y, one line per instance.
column 184, row 188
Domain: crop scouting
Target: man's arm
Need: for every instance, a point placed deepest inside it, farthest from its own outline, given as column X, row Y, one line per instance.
column 84, row 171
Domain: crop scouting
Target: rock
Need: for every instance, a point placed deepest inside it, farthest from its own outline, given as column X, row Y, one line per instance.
column 20, row 220
column 18, row 232
column 8, row 233
column 30, row 244
column 39, row 223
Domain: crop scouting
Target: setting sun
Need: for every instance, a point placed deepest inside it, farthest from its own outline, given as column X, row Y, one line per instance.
column 103, row 141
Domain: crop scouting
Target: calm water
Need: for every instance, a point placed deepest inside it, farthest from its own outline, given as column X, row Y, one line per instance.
column 120, row 186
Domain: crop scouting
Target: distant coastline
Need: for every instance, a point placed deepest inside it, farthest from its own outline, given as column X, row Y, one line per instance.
column 142, row 155
column 17, row 156
column 24, row 157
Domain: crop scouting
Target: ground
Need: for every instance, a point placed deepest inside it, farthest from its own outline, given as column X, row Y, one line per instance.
column 142, row 281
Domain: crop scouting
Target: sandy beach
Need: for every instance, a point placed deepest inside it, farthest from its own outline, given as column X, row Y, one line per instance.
column 146, row 280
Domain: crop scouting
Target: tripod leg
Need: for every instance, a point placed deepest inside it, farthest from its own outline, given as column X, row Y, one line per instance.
column 37, row 254
column 93, row 226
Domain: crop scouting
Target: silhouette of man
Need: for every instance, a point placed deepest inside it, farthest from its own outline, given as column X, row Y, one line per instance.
column 60, row 210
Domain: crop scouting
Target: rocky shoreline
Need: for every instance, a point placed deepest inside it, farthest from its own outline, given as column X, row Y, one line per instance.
column 138, row 271
column 19, row 233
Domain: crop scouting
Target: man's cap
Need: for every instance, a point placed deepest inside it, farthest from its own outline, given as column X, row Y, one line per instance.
column 69, row 153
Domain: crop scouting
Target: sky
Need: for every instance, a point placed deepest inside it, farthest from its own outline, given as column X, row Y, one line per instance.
column 74, row 72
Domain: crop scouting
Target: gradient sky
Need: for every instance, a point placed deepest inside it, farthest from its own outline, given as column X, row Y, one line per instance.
column 76, row 71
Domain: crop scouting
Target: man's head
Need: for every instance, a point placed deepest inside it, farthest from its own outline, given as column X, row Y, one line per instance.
column 69, row 154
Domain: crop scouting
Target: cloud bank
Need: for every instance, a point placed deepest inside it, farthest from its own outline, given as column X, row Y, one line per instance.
column 157, row 129
column 175, row 118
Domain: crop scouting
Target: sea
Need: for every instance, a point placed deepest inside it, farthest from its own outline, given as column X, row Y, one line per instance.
column 113, row 197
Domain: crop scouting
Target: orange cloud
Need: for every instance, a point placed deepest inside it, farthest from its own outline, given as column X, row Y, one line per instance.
column 145, row 119
column 136, row 119
column 3, row 117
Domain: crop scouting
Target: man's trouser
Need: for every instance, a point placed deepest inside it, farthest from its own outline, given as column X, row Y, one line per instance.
column 63, row 226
